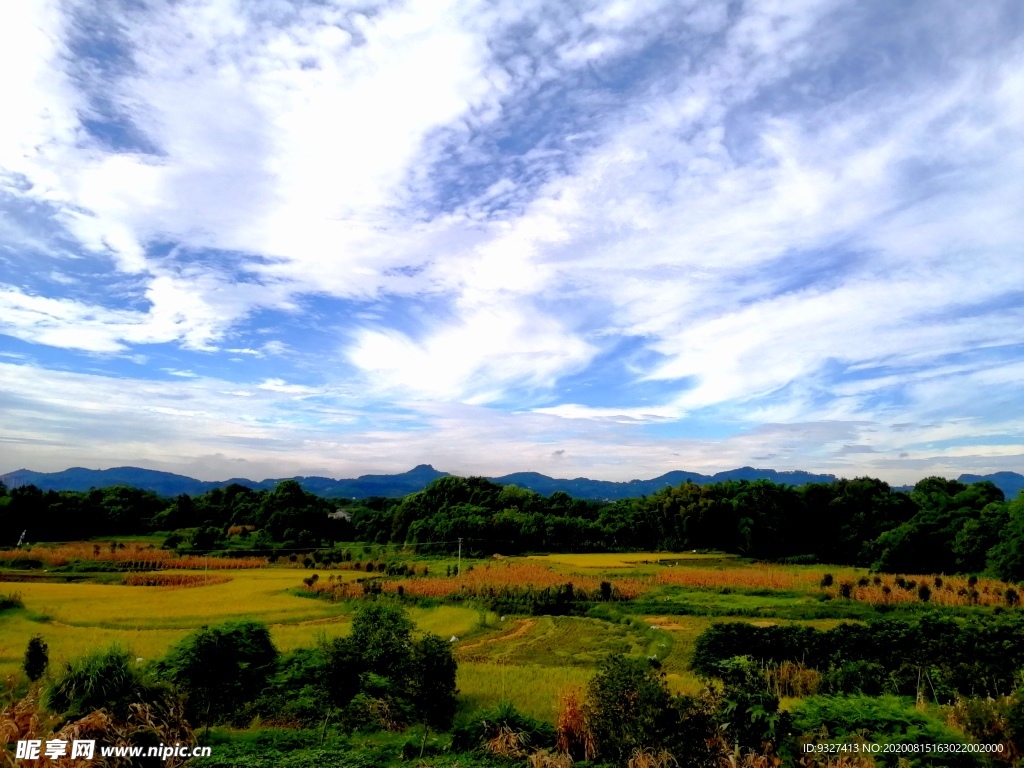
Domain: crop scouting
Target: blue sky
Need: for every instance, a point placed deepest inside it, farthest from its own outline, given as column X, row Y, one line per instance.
column 603, row 239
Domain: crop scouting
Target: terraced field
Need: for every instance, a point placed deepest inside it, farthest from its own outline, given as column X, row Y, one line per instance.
column 527, row 659
column 77, row 618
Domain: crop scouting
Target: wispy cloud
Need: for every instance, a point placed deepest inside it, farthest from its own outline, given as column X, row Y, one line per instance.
column 611, row 227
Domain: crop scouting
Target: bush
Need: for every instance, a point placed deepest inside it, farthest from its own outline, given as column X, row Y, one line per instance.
column 105, row 680
column 433, row 682
column 749, row 714
column 502, row 718
column 628, row 707
column 296, row 691
column 863, row 677
column 221, row 669
column 383, row 635
column 37, row 658
column 881, row 720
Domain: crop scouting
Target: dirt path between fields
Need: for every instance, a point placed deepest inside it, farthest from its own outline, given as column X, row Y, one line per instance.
column 522, row 626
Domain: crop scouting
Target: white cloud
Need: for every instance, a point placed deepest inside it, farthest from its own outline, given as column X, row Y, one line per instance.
column 786, row 247
column 475, row 359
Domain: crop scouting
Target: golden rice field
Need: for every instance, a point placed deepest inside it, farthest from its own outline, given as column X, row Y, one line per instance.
column 527, row 660
column 134, row 555
column 532, row 689
column 75, row 619
column 619, row 560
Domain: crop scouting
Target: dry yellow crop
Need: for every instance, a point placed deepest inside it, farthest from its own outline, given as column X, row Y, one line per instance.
column 756, row 577
column 133, row 556
column 940, row 590
column 488, row 580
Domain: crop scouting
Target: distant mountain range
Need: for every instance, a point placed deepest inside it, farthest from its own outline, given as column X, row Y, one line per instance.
column 1010, row 483
column 416, row 479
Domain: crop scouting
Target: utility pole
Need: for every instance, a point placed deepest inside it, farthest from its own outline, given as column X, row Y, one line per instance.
column 460, row 556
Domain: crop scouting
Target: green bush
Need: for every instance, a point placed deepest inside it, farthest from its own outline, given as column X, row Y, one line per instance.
column 105, row 680
column 880, row 720
column 37, row 658
column 296, row 691
column 749, row 714
column 221, row 669
column 472, row 735
column 628, row 707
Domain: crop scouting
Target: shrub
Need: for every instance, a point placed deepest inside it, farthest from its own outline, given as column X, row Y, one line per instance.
column 628, row 707
column 296, row 691
column 749, row 714
column 221, row 668
column 884, row 720
column 434, row 692
column 104, row 680
column 500, row 726
column 383, row 634
column 37, row 658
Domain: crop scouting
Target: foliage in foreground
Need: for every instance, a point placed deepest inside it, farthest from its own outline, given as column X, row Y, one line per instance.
column 881, row 720
column 103, row 697
column 936, row 654
column 106, row 680
column 220, row 668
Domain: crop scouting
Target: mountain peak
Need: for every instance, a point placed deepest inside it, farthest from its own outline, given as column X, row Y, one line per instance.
column 420, row 476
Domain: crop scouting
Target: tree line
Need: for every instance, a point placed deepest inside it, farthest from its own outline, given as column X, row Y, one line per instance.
column 941, row 526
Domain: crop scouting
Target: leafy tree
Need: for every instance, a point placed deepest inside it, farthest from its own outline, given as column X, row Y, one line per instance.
column 433, row 690
column 221, row 668
column 344, row 664
column 1006, row 559
column 628, row 707
column 206, row 538
column 750, row 713
column 37, row 658
column 382, row 633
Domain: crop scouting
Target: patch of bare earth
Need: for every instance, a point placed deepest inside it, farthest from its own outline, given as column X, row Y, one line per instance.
column 519, row 629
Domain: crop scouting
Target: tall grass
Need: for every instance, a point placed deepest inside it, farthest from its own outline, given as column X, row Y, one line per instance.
column 532, row 689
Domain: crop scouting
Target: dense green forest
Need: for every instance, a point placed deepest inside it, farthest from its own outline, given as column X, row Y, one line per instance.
column 942, row 526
